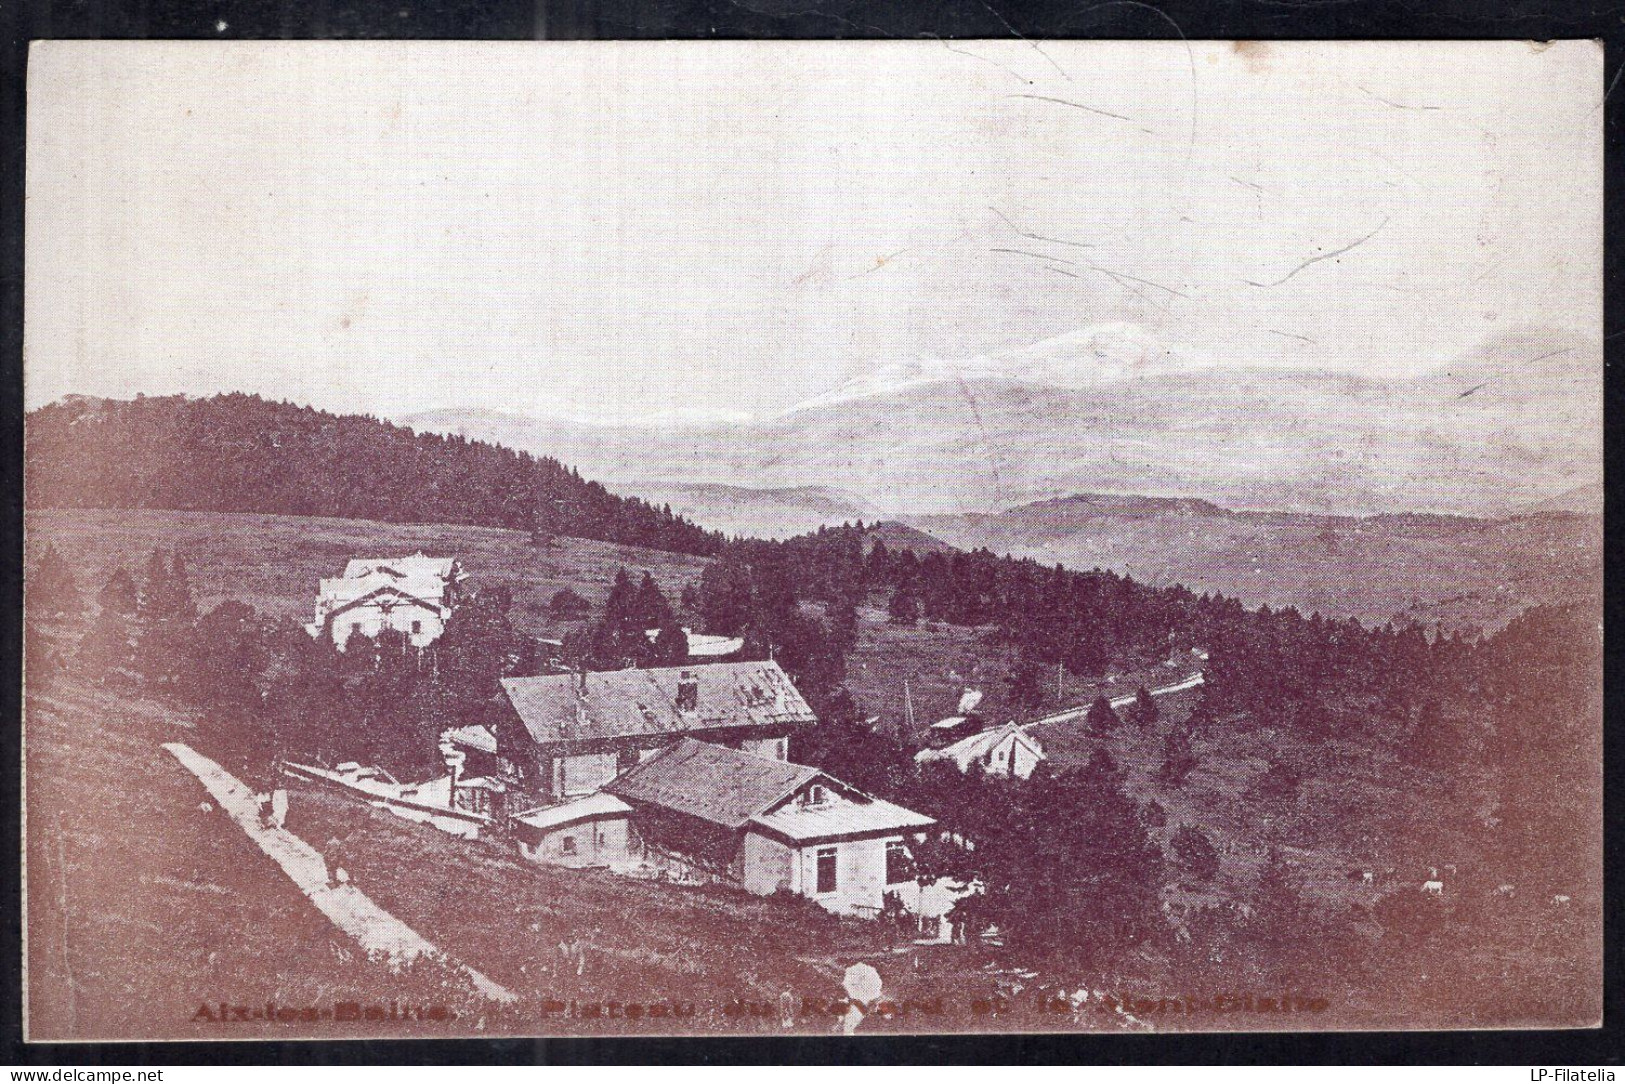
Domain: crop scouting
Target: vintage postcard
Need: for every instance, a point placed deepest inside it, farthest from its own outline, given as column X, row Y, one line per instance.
column 812, row 538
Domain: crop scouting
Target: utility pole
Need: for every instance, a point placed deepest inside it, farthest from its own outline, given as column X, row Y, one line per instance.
column 908, row 706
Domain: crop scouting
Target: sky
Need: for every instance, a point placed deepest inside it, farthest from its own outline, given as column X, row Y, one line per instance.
column 685, row 231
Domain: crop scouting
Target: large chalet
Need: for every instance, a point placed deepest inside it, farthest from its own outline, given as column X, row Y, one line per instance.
column 576, row 732
column 410, row 595
column 684, row 772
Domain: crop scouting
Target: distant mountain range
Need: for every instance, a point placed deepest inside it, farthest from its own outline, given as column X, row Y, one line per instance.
column 1109, row 409
column 758, row 513
column 1457, row 570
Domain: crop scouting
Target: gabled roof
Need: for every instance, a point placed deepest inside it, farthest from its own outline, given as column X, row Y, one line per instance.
column 979, row 745
column 417, row 566
column 621, row 703
column 715, row 784
column 339, row 590
column 380, row 595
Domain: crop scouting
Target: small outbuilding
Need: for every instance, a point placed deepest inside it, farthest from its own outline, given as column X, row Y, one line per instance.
column 592, row 831
column 1008, row 750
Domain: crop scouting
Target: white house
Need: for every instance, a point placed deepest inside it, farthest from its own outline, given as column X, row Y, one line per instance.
column 1007, row 750
column 766, row 825
column 411, row 595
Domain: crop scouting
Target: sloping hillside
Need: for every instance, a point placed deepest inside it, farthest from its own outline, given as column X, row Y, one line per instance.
column 273, row 562
column 1456, row 570
column 241, row 453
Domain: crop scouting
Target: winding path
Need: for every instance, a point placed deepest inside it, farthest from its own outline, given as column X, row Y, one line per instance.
column 1120, row 702
column 378, row 932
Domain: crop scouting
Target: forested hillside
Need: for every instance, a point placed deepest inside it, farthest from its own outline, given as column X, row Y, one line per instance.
column 242, row 453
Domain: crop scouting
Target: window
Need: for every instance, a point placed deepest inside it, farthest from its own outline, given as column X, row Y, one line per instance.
column 817, row 794
column 897, row 862
column 568, row 845
column 826, row 869
column 417, row 627
column 782, row 749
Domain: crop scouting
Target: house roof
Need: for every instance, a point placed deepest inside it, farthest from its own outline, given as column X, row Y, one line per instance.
column 701, row 646
column 715, row 784
column 387, row 596
column 558, row 816
column 417, row 566
column 742, row 790
column 858, row 814
column 971, row 748
column 472, row 737
column 622, row 703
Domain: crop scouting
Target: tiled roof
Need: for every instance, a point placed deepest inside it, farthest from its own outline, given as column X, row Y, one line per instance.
column 620, row 703
column 736, row 790
column 715, row 784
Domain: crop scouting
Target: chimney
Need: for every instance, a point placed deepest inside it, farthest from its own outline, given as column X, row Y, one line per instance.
column 688, row 692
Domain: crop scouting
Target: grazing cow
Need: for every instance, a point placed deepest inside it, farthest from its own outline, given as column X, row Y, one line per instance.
column 1505, row 890
column 1368, row 878
column 1560, row 901
column 1433, row 888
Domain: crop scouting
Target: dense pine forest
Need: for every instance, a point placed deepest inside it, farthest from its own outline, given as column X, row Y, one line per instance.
column 242, row 453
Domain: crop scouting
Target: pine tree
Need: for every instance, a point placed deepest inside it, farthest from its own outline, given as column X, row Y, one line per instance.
column 621, row 607
column 180, row 586
column 566, row 605
column 542, row 533
column 650, row 605
column 670, row 645
column 107, row 646
column 164, row 616
column 725, row 596
column 1196, row 852
column 1102, row 720
column 843, row 623
column 1178, row 760
column 1026, row 683
column 52, row 591
column 119, row 594
column 904, row 608
column 1143, row 712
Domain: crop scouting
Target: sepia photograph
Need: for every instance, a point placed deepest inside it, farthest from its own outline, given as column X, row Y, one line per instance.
column 788, row 538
